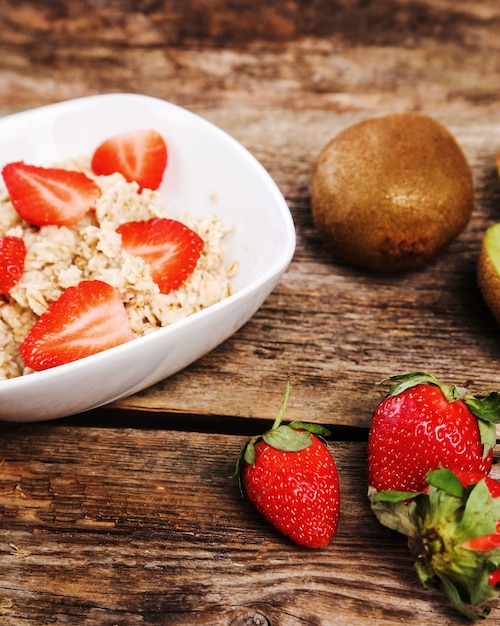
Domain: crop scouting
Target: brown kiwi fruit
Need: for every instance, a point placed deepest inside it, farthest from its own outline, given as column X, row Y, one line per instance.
column 488, row 269
column 389, row 193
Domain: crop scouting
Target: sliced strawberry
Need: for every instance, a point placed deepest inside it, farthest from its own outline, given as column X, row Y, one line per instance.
column 51, row 195
column 12, row 255
column 170, row 248
column 139, row 155
column 84, row 320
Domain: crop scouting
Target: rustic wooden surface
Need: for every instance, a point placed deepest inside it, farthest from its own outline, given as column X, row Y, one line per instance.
column 127, row 515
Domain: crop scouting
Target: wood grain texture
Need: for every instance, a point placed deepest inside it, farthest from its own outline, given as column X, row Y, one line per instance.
column 341, row 56
column 126, row 526
column 128, row 515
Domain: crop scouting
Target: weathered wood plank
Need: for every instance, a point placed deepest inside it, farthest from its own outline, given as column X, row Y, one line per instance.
column 343, row 56
column 122, row 521
column 106, row 526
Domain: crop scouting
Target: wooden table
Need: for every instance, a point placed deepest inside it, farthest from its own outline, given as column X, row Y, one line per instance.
column 127, row 514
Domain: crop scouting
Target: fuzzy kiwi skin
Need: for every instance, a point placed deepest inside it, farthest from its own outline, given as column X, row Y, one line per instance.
column 389, row 193
column 488, row 269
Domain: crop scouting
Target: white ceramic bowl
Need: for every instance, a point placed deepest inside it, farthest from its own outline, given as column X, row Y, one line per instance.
column 204, row 163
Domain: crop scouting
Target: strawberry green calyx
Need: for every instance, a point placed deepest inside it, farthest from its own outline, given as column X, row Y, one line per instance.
column 290, row 437
column 485, row 406
column 440, row 524
column 401, row 382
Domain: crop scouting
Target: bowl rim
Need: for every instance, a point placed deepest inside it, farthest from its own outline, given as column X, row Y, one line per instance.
column 273, row 272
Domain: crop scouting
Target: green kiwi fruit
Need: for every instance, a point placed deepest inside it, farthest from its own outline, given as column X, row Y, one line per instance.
column 389, row 193
column 488, row 269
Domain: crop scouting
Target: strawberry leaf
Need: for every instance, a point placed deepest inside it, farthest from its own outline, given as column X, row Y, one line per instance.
column 453, row 594
column 393, row 496
column 446, row 523
column 316, row 429
column 425, row 572
column 248, row 452
column 438, row 505
column 392, row 510
column 287, row 439
column 485, row 406
column 480, row 514
column 446, row 480
column 406, row 381
column 488, row 435
column 291, row 437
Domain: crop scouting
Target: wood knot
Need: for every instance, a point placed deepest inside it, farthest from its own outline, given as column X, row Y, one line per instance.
column 250, row 618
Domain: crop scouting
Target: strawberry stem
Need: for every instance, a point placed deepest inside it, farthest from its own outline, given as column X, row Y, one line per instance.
column 291, row 437
column 282, row 410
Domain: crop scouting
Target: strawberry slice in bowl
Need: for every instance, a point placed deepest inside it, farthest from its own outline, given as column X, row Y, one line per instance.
column 139, row 155
column 12, row 255
column 168, row 246
column 86, row 319
column 49, row 195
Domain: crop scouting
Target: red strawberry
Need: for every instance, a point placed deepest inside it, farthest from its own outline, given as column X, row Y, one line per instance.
column 139, row 155
column 170, row 248
column 422, row 425
column 12, row 255
column 468, row 478
column 453, row 530
column 290, row 477
column 51, row 195
column 84, row 320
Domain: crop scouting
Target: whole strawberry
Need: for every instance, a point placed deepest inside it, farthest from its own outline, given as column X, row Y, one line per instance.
column 453, row 530
column 422, row 425
column 290, row 476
